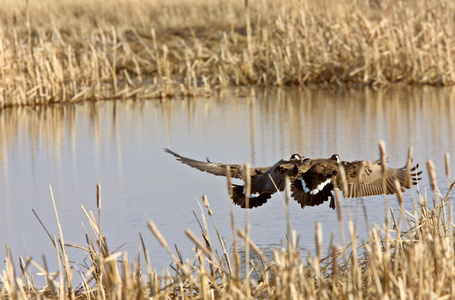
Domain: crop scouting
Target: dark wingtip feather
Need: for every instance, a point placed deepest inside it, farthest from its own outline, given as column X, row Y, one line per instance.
column 332, row 203
column 167, row 150
column 172, row 152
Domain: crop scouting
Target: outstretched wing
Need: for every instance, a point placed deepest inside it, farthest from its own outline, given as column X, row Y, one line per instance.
column 209, row 167
column 219, row 169
column 366, row 178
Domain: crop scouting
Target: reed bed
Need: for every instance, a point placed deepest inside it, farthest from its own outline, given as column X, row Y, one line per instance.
column 416, row 263
column 70, row 51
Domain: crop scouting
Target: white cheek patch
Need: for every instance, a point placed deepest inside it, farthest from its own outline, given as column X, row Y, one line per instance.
column 320, row 187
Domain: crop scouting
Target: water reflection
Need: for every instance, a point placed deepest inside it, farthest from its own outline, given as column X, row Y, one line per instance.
column 120, row 145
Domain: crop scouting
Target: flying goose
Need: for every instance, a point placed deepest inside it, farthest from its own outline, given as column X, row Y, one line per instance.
column 312, row 180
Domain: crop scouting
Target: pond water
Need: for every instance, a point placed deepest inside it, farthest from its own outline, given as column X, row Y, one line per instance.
column 119, row 144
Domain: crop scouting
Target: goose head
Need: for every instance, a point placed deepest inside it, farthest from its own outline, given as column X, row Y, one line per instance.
column 335, row 157
column 296, row 157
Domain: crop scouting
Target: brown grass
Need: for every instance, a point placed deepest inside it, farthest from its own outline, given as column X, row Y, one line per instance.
column 417, row 263
column 67, row 51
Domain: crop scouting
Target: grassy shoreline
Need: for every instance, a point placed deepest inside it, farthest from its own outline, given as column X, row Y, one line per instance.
column 417, row 262
column 89, row 50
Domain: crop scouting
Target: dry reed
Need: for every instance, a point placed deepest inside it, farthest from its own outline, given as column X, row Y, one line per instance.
column 416, row 263
column 69, row 51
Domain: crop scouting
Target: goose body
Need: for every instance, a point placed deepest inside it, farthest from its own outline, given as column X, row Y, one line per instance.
column 312, row 180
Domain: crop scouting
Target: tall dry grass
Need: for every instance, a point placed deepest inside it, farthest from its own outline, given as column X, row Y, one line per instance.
column 67, row 51
column 417, row 262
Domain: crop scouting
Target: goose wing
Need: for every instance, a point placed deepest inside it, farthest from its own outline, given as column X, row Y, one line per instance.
column 218, row 169
column 366, row 178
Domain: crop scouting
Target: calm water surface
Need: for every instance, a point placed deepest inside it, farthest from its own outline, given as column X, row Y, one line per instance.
column 120, row 145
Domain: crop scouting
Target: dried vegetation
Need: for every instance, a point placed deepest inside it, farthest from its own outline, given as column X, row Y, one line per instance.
column 67, row 51
column 415, row 263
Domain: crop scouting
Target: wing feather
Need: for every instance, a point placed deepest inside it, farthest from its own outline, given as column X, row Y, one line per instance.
column 365, row 178
column 218, row 169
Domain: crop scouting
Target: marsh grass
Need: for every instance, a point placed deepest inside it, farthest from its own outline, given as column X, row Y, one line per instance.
column 417, row 262
column 69, row 51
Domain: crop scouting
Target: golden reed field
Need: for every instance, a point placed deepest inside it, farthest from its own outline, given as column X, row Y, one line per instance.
column 67, row 51
column 415, row 263
column 70, row 51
